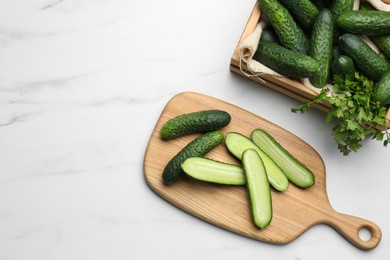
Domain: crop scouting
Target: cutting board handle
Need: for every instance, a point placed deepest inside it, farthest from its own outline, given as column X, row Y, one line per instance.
column 350, row 226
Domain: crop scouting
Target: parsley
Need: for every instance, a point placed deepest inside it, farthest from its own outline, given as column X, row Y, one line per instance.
column 355, row 110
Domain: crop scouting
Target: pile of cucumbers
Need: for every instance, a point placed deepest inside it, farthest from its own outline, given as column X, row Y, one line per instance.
column 322, row 38
column 264, row 162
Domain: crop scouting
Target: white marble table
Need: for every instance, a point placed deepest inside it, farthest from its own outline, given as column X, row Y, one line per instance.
column 82, row 83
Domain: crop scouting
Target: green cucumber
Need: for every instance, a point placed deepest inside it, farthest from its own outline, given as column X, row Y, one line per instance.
column 209, row 170
column 296, row 172
column 383, row 43
column 285, row 61
column 200, row 121
column 289, row 33
column 322, row 46
column 339, row 7
column 303, row 11
column 364, row 58
column 382, row 91
column 343, row 66
column 367, row 22
column 238, row 143
column 258, row 187
column 268, row 34
column 198, row 147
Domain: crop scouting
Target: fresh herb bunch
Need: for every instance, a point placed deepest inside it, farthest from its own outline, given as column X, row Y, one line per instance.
column 355, row 109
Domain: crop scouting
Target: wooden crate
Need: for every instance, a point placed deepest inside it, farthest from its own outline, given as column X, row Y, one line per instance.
column 287, row 86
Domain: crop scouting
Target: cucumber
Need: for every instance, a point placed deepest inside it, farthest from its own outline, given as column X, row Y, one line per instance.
column 321, row 48
column 198, row 147
column 367, row 22
column 289, row 33
column 343, row 66
column 303, row 11
column 382, row 91
column 209, row 170
column 200, row 121
column 258, row 187
column 338, row 7
column 296, row 172
column 341, row 6
column 238, row 143
column 364, row 58
column 383, row 43
column 268, row 34
column 285, row 61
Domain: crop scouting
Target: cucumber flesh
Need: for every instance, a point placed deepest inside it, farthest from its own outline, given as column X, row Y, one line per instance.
column 258, row 187
column 209, row 170
column 238, row 143
column 296, row 172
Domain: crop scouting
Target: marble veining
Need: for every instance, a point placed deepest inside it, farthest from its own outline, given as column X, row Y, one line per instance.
column 82, row 84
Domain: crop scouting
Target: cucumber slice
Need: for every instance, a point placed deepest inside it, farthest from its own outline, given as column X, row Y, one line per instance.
column 238, row 143
column 209, row 170
column 296, row 172
column 258, row 187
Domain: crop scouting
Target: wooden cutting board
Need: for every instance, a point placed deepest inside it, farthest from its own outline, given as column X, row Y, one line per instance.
column 294, row 211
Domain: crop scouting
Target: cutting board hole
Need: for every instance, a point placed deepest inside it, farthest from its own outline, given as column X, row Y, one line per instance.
column 365, row 234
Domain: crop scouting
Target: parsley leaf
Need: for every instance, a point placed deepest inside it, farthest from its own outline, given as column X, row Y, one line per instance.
column 353, row 107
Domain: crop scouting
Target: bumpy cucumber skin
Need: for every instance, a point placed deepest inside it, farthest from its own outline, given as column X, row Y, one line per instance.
column 343, row 66
column 383, row 42
column 341, row 6
column 303, row 11
column 209, row 170
column 382, row 91
column 321, row 4
column 276, row 177
column 365, row 22
column 286, row 62
column 367, row 60
column 321, row 47
column 197, row 122
column 289, row 33
column 258, row 187
column 197, row 148
column 309, row 177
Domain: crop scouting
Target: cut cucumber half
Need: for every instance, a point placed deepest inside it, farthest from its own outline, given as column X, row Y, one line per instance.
column 238, row 143
column 209, row 170
column 258, row 187
column 296, row 172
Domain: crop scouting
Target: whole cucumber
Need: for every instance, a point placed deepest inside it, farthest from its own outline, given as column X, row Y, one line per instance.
column 197, row 148
column 383, row 42
column 366, row 59
column 337, row 8
column 289, row 33
column 196, row 122
column 321, row 48
column 284, row 61
column 343, row 66
column 382, row 91
column 303, row 11
column 365, row 22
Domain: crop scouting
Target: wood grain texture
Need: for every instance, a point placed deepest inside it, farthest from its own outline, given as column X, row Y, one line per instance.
column 287, row 86
column 294, row 211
